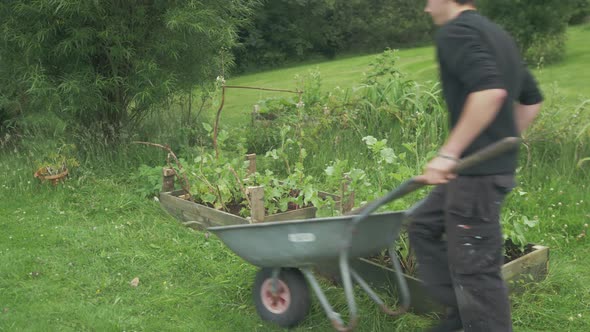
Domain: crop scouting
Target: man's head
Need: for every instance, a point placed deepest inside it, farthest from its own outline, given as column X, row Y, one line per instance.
column 443, row 11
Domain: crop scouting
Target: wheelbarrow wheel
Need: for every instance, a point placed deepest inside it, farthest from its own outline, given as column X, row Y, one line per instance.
column 285, row 305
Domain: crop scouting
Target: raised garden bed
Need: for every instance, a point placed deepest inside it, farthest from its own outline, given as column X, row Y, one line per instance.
column 531, row 267
column 199, row 216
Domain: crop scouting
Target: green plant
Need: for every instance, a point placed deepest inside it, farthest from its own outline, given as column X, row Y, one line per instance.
column 216, row 176
column 383, row 68
column 220, row 178
column 515, row 226
column 149, row 180
column 58, row 161
column 291, row 193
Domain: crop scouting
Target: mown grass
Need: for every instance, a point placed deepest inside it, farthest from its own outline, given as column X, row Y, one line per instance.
column 68, row 255
column 569, row 77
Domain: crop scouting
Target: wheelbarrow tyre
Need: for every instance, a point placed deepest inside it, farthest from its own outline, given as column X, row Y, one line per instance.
column 295, row 301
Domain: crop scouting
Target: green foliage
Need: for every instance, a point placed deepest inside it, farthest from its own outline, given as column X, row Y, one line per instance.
column 548, row 137
column 287, row 30
column 213, row 181
column 110, row 63
column 533, row 23
column 387, row 105
column 296, row 191
column 580, row 12
column 546, row 49
column 59, row 160
column 215, row 178
column 382, row 170
column 221, row 180
column 516, row 226
column 149, row 181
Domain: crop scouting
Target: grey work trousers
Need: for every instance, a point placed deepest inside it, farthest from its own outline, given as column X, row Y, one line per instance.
column 462, row 269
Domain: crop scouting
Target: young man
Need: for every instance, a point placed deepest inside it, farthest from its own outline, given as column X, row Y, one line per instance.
column 456, row 231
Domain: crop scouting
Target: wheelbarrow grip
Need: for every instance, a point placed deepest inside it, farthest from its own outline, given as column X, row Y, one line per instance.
column 412, row 185
column 490, row 151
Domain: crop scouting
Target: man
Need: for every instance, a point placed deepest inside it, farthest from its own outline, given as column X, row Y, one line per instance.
column 456, row 231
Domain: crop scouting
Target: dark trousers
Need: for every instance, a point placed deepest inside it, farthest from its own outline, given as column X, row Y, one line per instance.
column 457, row 238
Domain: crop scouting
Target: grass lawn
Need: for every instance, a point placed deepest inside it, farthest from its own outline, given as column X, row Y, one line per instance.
column 68, row 254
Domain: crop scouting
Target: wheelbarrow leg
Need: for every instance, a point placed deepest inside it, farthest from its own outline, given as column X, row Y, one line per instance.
column 402, row 286
column 332, row 315
column 275, row 280
column 401, row 281
column 348, row 291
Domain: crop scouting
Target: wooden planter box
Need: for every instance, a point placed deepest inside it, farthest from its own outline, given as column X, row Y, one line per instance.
column 532, row 267
column 201, row 217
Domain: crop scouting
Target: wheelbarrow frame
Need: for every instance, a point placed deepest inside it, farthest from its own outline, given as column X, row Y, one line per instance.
column 305, row 244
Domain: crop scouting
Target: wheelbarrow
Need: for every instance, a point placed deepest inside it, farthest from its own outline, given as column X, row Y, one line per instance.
column 287, row 252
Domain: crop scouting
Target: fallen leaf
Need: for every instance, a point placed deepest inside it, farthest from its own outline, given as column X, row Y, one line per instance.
column 134, row 282
column 5, row 310
column 207, row 235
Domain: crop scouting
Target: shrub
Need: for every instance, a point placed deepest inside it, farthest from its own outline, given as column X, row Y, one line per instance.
column 580, row 12
column 539, row 27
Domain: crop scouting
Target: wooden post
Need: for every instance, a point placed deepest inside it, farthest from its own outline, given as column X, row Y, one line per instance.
column 347, row 195
column 252, row 163
column 256, row 195
column 167, row 179
column 255, row 112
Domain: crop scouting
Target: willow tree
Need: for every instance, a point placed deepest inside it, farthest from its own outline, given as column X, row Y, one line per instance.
column 111, row 62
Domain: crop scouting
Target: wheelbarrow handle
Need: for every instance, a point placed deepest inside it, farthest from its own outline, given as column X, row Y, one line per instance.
column 412, row 185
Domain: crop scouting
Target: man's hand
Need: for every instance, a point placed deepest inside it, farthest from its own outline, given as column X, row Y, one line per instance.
column 438, row 171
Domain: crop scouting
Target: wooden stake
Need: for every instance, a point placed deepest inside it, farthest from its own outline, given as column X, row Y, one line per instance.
column 167, row 179
column 256, row 195
column 252, row 163
column 347, row 197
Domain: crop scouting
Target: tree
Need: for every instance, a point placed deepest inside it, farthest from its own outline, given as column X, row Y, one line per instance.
column 111, row 62
column 287, row 30
column 539, row 26
column 581, row 11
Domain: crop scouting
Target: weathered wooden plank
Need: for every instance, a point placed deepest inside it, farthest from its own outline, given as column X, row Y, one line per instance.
column 534, row 264
column 256, row 196
column 196, row 215
column 384, row 278
column 200, row 217
column 337, row 199
column 305, row 213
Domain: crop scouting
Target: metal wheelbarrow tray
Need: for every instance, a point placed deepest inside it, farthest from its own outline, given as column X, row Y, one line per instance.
column 287, row 252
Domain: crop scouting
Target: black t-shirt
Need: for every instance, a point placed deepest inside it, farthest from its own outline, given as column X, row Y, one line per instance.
column 475, row 54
